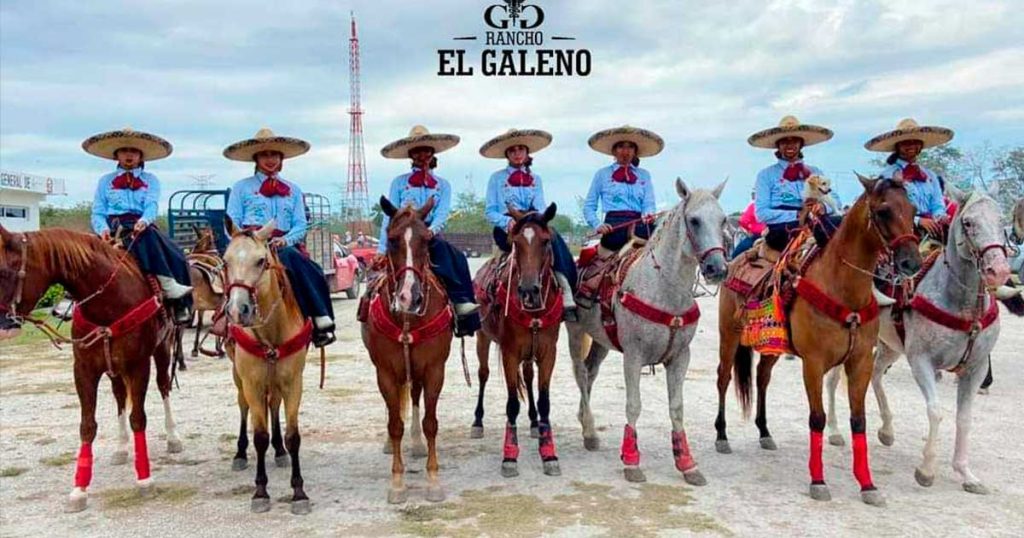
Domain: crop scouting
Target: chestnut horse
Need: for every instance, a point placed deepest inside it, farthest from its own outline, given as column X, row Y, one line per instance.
column 525, row 323
column 119, row 326
column 408, row 335
column 268, row 341
column 839, row 281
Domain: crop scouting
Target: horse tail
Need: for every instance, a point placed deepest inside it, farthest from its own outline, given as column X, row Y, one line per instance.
column 743, row 366
column 1015, row 305
column 521, row 385
column 405, row 398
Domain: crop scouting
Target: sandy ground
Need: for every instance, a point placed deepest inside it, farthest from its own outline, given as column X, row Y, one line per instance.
column 752, row 492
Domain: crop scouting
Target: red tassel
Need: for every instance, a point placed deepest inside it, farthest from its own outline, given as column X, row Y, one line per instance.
column 83, row 473
column 141, row 456
column 861, row 469
column 816, row 467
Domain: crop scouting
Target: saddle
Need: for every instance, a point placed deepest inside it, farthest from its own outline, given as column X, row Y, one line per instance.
column 749, row 272
column 600, row 281
column 210, row 266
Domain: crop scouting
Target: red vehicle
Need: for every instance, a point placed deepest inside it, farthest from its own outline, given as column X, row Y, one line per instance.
column 348, row 272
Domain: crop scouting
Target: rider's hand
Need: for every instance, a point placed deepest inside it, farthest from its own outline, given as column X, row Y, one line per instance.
column 511, row 224
column 430, row 234
column 604, row 228
column 140, row 226
column 931, row 226
column 278, row 242
column 105, row 236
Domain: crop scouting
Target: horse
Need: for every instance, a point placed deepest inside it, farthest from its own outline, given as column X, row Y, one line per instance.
column 120, row 328
column 525, row 323
column 952, row 324
column 833, row 321
column 268, row 341
column 204, row 268
column 408, row 336
column 656, row 317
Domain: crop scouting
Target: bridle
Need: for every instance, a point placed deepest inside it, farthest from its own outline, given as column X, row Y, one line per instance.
column 252, row 291
column 419, row 277
column 700, row 255
column 976, row 253
column 11, row 309
column 546, row 277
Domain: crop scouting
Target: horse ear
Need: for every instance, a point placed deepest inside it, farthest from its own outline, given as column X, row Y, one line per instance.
column 267, row 230
column 718, row 190
column 957, row 195
column 426, row 209
column 868, row 183
column 516, row 214
column 682, row 189
column 387, row 207
column 550, row 212
column 229, row 226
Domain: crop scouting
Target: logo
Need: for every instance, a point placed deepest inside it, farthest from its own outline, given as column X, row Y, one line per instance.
column 514, row 47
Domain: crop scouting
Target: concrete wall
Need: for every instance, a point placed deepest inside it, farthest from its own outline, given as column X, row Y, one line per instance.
column 10, row 198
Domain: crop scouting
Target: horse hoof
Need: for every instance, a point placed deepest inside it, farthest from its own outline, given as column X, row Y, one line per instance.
column 387, row 448
column 260, row 505
column 183, row 367
column 695, row 478
column 592, row 443
column 119, row 458
column 174, row 446
column 634, row 474
column 397, row 496
column 239, row 464
column 886, row 438
column 923, row 479
column 509, row 469
column 722, row 446
column 435, row 494
column 419, row 451
column 820, row 492
column 476, row 432
column 146, row 490
column 983, row 391
column 873, row 497
column 976, row 488
column 76, row 503
column 552, row 468
column 301, row 507
column 194, row 354
column 768, row 443
column 836, row 439
column 282, row 461
column 534, row 432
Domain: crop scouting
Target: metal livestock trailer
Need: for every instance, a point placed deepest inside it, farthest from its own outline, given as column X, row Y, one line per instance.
column 190, row 211
column 318, row 235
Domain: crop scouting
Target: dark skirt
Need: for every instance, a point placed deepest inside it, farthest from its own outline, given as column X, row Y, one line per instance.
column 562, row 260
column 155, row 252
column 450, row 265
column 617, row 239
column 308, row 283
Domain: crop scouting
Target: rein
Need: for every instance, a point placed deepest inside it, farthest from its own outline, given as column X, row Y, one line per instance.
column 544, row 316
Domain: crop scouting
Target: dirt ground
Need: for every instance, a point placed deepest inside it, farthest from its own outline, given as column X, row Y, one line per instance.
column 751, row 492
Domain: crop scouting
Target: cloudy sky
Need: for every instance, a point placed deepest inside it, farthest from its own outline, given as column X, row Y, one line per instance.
column 704, row 75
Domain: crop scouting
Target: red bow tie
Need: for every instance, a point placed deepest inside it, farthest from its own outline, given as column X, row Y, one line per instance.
column 796, row 172
column 128, row 181
column 624, row 175
column 913, row 172
column 422, row 179
column 272, row 186
column 520, row 179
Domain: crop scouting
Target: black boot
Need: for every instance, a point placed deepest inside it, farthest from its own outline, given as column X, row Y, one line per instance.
column 182, row 314
column 323, row 338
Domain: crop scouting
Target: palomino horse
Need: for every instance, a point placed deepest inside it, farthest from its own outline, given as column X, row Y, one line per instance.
column 408, row 335
column 656, row 317
column 119, row 325
column 268, row 341
column 952, row 324
column 833, row 321
column 525, row 323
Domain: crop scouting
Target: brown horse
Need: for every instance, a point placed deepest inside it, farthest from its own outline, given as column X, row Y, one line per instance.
column 204, row 268
column 119, row 326
column 525, row 324
column 408, row 335
column 268, row 341
column 833, row 322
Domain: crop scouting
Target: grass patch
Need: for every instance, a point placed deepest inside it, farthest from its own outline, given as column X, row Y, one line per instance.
column 10, row 472
column 45, row 441
column 60, row 460
column 125, row 498
column 341, row 393
column 52, row 387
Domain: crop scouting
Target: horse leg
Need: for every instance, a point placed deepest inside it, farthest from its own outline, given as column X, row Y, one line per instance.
column 199, row 332
column 256, row 395
column 527, row 367
column 585, row 371
column 835, row 436
column 966, row 389
column 858, row 375
column 884, row 358
column 120, row 455
column 276, row 441
column 291, row 393
column 728, row 348
column 483, row 350
column 630, row 453
column 419, row 450
column 178, row 333
column 546, row 443
column 924, row 374
column 675, row 374
column 162, row 359
column 86, row 383
column 813, row 373
column 137, row 384
column 764, row 377
column 433, row 382
column 241, row 459
column 510, row 451
column 395, row 396
column 404, row 398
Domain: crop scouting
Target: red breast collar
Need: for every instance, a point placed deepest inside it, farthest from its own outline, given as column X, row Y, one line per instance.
column 952, row 321
column 825, row 304
column 126, row 323
column 382, row 322
column 251, row 345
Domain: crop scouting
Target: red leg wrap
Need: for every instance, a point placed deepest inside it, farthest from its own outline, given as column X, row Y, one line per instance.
column 630, row 452
column 815, row 465
column 511, row 443
column 681, row 452
column 547, row 444
column 141, row 456
column 83, row 472
column 861, row 469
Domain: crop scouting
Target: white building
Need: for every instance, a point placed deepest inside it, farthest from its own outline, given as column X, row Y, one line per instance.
column 20, row 195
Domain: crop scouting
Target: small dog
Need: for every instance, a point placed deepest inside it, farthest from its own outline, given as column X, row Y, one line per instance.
column 820, row 188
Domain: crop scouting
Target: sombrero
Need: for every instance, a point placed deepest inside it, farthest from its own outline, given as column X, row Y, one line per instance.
column 105, row 144
column 647, row 143
column 266, row 140
column 908, row 129
column 419, row 137
column 534, row 140
column 789, row 126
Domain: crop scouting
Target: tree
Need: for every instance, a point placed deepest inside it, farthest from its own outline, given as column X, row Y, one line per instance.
column 468, row 215
column 1008, row 170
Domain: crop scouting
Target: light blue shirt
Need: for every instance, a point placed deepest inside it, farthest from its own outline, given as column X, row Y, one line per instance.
column 501, row 195
column 401, row 194
column 925, row 195
column 619, row 196
column 772, row 192
column 247, row 207
column 110, row 201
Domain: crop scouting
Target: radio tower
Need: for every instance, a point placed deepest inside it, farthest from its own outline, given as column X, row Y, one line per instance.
column 356, row 208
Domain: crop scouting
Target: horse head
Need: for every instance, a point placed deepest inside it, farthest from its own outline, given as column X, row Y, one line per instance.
column 530, row 240
column 701, row 220
column 976, row 234
column 246, row 263
column 891, row 215
column 204, row 240
column 407, row 252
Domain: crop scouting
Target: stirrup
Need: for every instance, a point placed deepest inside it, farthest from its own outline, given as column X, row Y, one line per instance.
column 323, row 338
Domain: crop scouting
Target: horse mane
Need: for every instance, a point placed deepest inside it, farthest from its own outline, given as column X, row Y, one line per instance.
column 697, row 197
column 75, row 252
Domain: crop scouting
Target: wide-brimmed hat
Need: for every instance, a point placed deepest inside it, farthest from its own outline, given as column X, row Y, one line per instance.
column 266, row 140
column 534, row 140
column 105, row 144
column 419, row 137
column 647, row 142
column 908, row 129
column 789, row 126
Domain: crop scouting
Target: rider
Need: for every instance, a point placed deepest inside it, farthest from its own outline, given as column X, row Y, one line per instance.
column 518, row 187
column 257, row 199
column 778, row 193
column 126, row 200
column 415, row 188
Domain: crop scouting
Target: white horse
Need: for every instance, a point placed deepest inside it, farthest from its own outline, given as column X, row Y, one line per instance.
column 662, row 279
column 973, row 262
